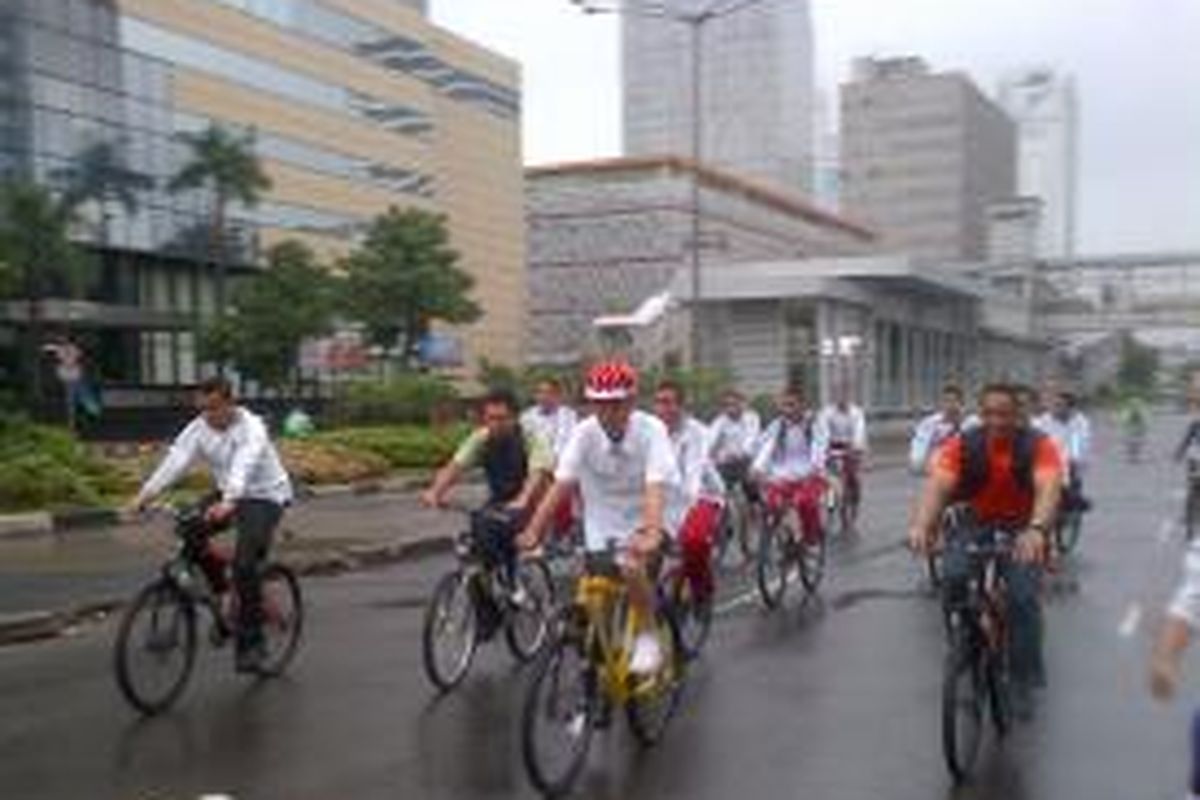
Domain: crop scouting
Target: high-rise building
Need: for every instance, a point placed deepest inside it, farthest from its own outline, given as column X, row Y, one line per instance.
column 1044, row 106
column 357, row 105
column 757, row 89
column 924, row 155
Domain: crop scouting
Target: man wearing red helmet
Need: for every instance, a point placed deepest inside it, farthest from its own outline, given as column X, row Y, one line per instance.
column 622, row 461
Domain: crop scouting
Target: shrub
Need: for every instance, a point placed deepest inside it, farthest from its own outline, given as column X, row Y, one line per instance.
column 402, row 446
column 404, row 399
column 319, row 463
column 44, row 467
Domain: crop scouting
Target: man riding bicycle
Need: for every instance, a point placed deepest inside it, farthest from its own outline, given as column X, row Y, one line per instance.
column 846, row 426
column 937, row 428
column 694, row 504
column 253, row 491
column 734, row 439
column 791, row 461
column 622, row 462
column 1011, row 477
column 516, row 464
column 1070, row 430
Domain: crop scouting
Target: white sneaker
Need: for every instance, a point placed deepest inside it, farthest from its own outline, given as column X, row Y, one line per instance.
column 518, row 596
column 647, row 655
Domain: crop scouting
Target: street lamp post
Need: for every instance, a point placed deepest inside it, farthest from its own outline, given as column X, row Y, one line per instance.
column 696, row 21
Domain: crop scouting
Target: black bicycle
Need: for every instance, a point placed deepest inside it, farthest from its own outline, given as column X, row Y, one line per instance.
column 156, row 645
column 476, row 600
column 741, row 514
column 976, row 669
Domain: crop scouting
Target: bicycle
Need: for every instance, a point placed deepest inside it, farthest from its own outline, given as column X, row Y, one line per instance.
column 783, row 550
column 1069, row 526
column 976, row 666
column 742, row 511
column 584, row 675
column 692, row 613
column 474, row 601
column 197, row 577
column 839, row 504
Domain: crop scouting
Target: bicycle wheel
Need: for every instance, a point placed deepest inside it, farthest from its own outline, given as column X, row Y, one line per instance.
column 831, row 510
column 774, row 561
column 558, row 718
column 726, row 533
column 450, row 635
column 527, row 627
column 933, row 569
column 812, row 562
column 692, row 615
column 963, row 697
column 155, row 648
column 1068, row 531
column 998, row 694
column 283, row 618
column 654, row 698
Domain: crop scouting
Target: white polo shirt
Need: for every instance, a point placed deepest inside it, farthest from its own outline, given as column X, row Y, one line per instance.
column 613, row 476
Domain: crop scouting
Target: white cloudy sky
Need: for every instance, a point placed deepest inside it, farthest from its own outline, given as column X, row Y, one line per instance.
column 1137, row 63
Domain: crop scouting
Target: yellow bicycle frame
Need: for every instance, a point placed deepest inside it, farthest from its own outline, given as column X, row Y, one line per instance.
column 609, row 635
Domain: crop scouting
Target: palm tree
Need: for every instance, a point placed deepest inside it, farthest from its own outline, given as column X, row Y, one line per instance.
column 38, row 253
column 225, row 163
column 99, row 175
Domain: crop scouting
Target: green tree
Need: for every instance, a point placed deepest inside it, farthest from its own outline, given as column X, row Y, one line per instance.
column 224, row 163
column 271, row 314
column 405, row 277
column 99, row 176
column 1137, row 371
column 40, row 259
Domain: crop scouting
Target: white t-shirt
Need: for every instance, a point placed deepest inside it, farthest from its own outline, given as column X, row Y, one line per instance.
column 735, row 438
column 846, row 426
column 612, row 476
column 554, row 427
column 795, row 453
column 1073, row 436
column 698, row 476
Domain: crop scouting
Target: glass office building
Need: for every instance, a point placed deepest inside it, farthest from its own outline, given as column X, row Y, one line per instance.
column 357, row 106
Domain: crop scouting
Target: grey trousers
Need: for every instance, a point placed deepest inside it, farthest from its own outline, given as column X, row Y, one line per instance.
column 256, row 521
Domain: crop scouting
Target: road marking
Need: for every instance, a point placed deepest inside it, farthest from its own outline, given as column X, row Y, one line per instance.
column 745, row 598
column 1131, row 620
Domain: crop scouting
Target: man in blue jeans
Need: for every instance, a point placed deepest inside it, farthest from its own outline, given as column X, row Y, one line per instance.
column 1010, row 476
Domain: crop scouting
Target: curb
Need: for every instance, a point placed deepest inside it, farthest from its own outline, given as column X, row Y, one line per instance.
column 33, row 626
column 38, row 523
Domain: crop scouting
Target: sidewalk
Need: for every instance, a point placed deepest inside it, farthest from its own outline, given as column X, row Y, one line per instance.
column 51, row 582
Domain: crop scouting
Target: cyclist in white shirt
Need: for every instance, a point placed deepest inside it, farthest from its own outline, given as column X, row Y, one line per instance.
column 694, row 504
column 254, row 490
column 846, row 425
column 734, row 435
column 932, row 431
column 791, row 461
column 622, row 462
column 1072, row 433
column 549, row 417
column 1180, row 624
column 553, row 420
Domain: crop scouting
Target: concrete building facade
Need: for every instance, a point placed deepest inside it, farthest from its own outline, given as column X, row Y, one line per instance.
column 358, row 106
column 757, row 89
column 605, row 236
column 1045, row 107
column 892, row 329
column 924, row 155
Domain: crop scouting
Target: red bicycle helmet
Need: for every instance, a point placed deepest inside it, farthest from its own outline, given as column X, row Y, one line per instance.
column 611, row 380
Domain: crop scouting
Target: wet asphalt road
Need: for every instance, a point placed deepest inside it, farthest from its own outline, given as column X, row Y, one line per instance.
column 833, row 700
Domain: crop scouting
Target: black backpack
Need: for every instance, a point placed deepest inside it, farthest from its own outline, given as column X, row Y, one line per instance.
column 975, row 462
column 506, row 466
